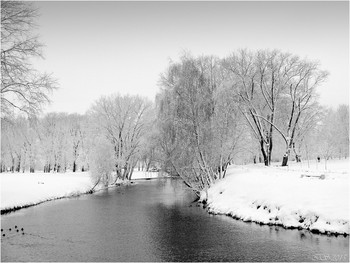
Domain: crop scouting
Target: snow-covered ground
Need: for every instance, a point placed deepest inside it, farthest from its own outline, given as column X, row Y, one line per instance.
column 26, row 189
column 136, row 175
column 22, row 189
column 282, row 196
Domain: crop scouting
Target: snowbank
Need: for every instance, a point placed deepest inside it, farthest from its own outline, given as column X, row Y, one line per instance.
column 26, row 189
column 281, row 196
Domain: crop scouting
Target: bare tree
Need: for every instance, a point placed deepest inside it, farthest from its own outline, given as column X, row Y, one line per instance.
column 23, row 88
column 76, row 136
column 301, row 97
column 267, row 83
column 53, row 135
column 123, row 120
column 101, row 161
column 248, row 78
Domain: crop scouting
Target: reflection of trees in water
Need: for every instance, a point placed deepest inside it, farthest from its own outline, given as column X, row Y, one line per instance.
column 170, row 233
column 171, row 185
column 161, row 182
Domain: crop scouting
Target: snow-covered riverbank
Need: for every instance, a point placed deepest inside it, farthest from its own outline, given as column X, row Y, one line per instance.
column 26, row 189
column 19, row 190
column 282, row 196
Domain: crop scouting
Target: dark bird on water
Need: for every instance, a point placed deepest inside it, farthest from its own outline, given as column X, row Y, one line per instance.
column 22, row 228
column 17, row 230
column 9, row 229
column 2, row 229
column 3, row 235
column 15, row 226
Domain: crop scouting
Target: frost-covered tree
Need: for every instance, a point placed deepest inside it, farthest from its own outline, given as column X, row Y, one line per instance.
column 9, row 146
column 76, row 137
column 198, row 131
column 123, row 120
column 53, row 135
column 332, row 136
column 326, row 138
column 150, row 155
column 268, row 83
column 342, row 130
column 230, row 132
column 19, row 144
column 101, row 161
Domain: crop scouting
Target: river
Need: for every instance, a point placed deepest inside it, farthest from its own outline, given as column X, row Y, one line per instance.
column 152, row 221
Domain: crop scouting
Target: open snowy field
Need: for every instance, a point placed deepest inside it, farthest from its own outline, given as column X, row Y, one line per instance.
column 282, row 196
column 25, row 189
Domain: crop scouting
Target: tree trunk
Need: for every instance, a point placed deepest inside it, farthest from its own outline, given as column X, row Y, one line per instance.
column 148, row 164
column 285, row 160
column 220, row 168
column 74, row 167
column 225, row 169
column 131, row 172
column 266, row 160
column 13, row 165
column 18, row 168
column 106, row 180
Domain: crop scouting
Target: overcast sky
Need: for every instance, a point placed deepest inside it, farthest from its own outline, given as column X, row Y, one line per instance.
column 99, row 48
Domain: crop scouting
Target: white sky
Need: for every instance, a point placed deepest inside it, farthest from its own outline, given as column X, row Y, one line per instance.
column 99, row 48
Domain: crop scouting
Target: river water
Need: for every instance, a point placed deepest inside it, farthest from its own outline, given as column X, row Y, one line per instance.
column 152, row 221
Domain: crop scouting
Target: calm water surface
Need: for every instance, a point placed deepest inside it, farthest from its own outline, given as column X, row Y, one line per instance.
column 153, row 221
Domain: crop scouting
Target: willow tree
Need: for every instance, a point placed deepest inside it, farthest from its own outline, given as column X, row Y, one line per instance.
column 185, row 113
column 195, row 131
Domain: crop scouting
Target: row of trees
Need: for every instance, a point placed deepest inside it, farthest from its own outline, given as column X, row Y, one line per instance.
column 110, row 137
column 52, row 143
